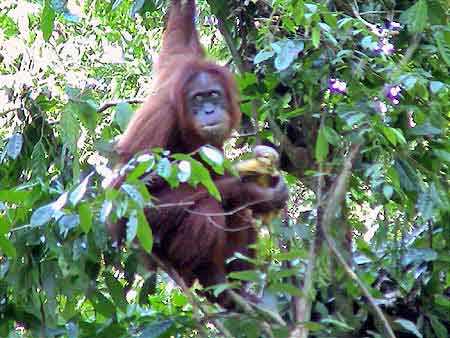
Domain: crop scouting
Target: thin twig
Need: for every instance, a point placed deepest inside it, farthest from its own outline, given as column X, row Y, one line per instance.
column 110, row 104
column 227, row 213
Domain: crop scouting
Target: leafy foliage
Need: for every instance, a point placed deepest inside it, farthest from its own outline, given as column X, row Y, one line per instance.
column 316, row 78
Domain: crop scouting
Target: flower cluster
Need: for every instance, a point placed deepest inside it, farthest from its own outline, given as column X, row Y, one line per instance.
column 379, row 106
column 384, row 46
column 337, row 86
column 393, row 94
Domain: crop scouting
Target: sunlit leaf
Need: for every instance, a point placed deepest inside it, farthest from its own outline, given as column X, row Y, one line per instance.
column 263, row 56
column 42, row 215
column 78, row 193
column 132, row 228
column 212, row 155
column 388, row 191
column 105, row 210
column 287, row 51
column 14, row 145
column 409, row 326
column 164, row 168
column 47, row 19
column 184, row 171
column 134, row 194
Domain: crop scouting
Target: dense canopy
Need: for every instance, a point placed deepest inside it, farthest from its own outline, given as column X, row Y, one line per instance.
column 354, row 95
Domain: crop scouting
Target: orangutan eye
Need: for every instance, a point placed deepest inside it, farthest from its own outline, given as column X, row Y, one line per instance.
column 197, row 98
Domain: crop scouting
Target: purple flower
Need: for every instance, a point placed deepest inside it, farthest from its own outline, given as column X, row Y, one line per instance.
column 380, row 32
column 379, row 106
column 337, row 86
column 393, row 94
column 384, row 47
column 393, row 26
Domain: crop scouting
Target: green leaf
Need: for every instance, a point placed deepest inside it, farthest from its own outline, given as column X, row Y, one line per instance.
column 116, row 291
column 321, row 150
column 70, row 129
column 407, row 175
column 146, row 162
column 211, row 155
column 86, row 111
column 425, row 205
column 134, row 194
column 132, row 228
column 123, row 115
column 437, row 86
column 442, row 38
column 287, row 51
column 7, row 247
column 442, row 154
column 263, row 56
column 247, row 275
column 157, row 328
column 164, row 168
column 66, row 223
column 390, row 135
column 102, row 304
column 409, row 326
column 439, row 329
column 416, row 17
column 425, row 129
column 144, row 233
column 399, row 135
column 14, row 196
column 4, row 225
column 78, row 193
column 42, row 215
column 337, row 323
column 38, row 160
column 47, row 20
column 202, row 175
column 315, row 36
column 179, row 299
column 14, row 145
column 388, row 191
column 286, row 288
column 419, row 256
column 85, row 217
column 332, row 136
column 299, row 12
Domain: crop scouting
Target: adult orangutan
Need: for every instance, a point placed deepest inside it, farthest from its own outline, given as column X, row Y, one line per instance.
column 194, row 103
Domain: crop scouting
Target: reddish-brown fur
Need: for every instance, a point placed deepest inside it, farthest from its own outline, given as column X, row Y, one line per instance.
column 195, row 243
